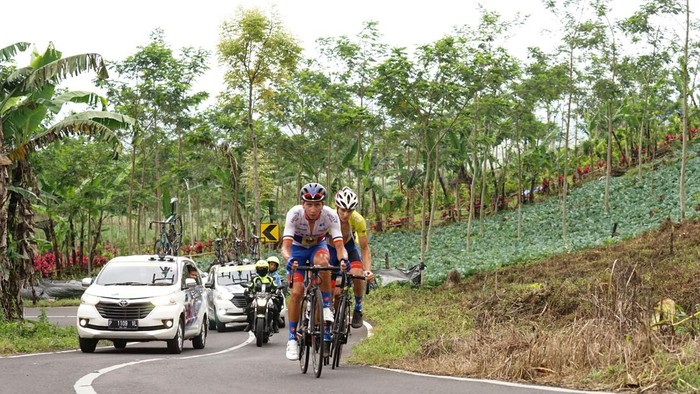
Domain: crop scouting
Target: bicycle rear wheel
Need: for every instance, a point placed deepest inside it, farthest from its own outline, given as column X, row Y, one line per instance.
column 303, row 337
column 175, row 235
column 339, row 330
column 159, row 248
column 316, row 325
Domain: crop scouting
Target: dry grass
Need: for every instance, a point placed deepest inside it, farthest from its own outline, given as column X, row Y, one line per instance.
column 580, row 320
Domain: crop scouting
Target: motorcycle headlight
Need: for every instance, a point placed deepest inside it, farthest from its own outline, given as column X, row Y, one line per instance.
column 261, row 302
column 88, row 299
column 164, row 300
column 224, row 295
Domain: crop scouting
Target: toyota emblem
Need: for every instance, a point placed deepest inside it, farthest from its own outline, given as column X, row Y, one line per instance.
column 123, row 303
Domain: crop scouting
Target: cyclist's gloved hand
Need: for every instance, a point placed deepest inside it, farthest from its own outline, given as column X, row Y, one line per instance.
column 344, row 264
column 292, row 264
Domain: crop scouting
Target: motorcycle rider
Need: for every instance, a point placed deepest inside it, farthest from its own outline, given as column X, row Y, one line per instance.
column 262, row 269
column 274, row 263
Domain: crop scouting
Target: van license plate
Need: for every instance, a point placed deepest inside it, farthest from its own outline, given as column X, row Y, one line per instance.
column 123, row 324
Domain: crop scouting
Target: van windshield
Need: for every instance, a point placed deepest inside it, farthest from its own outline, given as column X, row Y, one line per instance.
column 146, row 273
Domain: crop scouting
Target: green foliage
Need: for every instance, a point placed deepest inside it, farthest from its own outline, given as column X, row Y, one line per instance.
column 31, row 336
column 635, row 207
column 401, row 335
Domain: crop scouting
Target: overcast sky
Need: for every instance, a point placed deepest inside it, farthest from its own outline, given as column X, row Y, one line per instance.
column 115, row 29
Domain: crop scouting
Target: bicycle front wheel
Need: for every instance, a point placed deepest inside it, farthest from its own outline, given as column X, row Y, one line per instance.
column 303, row 337
column 317, row 332
column 339, row 330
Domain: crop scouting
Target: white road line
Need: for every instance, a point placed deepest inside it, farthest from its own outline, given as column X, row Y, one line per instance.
column 84, row 384
column 496, row 382
column 39, row 354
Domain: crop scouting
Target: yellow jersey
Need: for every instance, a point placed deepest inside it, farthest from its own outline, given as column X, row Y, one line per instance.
column 358, row 226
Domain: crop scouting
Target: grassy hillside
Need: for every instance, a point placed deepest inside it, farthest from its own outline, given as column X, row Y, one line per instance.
column 616, row 314
column 636, row 207
column 581, row 320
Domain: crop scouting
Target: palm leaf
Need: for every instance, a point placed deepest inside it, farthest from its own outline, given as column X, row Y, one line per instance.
column 72, row 125
column 9, row 52
column 89, row 98
column 28, row 194
column 61, row 69
column 350, row 155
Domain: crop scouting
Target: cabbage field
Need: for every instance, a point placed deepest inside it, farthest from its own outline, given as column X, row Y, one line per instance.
column 635, row 206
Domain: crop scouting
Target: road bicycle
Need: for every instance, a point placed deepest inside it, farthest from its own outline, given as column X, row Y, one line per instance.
column 238, row 246
column 219, row 247
column 254, row 244
column 340, row 331
column 169, row 237
column 311, row 324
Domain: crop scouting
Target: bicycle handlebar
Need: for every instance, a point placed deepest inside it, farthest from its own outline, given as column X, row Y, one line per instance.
column 317, row 268
column 312, row 268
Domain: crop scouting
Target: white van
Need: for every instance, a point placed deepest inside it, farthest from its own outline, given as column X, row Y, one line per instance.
column 144, row 298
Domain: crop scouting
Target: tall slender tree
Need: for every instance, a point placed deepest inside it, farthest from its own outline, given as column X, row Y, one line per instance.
column 257, row 52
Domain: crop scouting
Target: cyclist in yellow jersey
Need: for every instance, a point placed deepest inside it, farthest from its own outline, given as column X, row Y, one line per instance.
column 354, row 229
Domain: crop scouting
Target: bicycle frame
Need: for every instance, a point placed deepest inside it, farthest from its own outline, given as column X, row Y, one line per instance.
column 170, row 235
column 343, row 315
column 310, row 329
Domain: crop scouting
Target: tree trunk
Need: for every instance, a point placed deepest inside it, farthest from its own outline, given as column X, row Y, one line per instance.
column 254, row 142
column 684, row 73
column 96, row 240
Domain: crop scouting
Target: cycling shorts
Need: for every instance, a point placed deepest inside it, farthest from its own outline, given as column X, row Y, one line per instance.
column 353, row 256
column 305, row 257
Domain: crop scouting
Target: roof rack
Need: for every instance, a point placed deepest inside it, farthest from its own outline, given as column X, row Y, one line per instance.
column 161, row 258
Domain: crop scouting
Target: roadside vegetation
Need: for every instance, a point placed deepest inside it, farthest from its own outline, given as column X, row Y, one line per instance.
column 36, row 336
column 620, row 317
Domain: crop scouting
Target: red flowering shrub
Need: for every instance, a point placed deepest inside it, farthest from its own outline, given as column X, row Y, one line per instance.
column 48, row 265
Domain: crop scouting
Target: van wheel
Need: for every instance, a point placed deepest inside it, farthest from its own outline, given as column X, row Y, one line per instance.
column 87, row 345
column 119, row 343
column 176, row 344
column 219, row 325
column 200, row 340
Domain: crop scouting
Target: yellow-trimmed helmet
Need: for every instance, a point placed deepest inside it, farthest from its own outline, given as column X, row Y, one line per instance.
column 274, row 263
column 262, row 267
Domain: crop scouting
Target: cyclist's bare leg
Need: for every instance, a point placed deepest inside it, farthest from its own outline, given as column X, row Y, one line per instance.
column 359, row 291
column 358, row 285
column 322, row 258
column 294, row 307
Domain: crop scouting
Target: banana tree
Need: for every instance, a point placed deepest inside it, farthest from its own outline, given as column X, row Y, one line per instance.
column 28, row 106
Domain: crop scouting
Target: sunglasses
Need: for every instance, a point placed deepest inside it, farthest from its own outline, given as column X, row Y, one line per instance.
column 313, row 197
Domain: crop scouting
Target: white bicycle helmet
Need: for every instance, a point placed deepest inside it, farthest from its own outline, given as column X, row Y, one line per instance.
column 313, row 192
column 346, row 199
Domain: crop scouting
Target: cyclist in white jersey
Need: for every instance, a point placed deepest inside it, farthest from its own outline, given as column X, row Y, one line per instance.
column 304, row 243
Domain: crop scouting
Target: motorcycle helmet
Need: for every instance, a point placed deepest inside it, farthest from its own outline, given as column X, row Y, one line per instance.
column 346, row 199
column 312, row 192
column 262, row 268
column 274, row 263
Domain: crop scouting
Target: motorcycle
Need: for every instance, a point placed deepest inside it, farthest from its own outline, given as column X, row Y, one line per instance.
column 263, row 318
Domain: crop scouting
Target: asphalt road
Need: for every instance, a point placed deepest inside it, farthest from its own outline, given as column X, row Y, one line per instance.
column 230, row 363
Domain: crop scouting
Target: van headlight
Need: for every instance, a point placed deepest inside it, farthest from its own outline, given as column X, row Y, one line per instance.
column 164, row 300
column 222, row 294
column 88, row 299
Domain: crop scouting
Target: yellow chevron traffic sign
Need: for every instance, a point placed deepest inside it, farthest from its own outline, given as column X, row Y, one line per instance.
column 269, row 232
